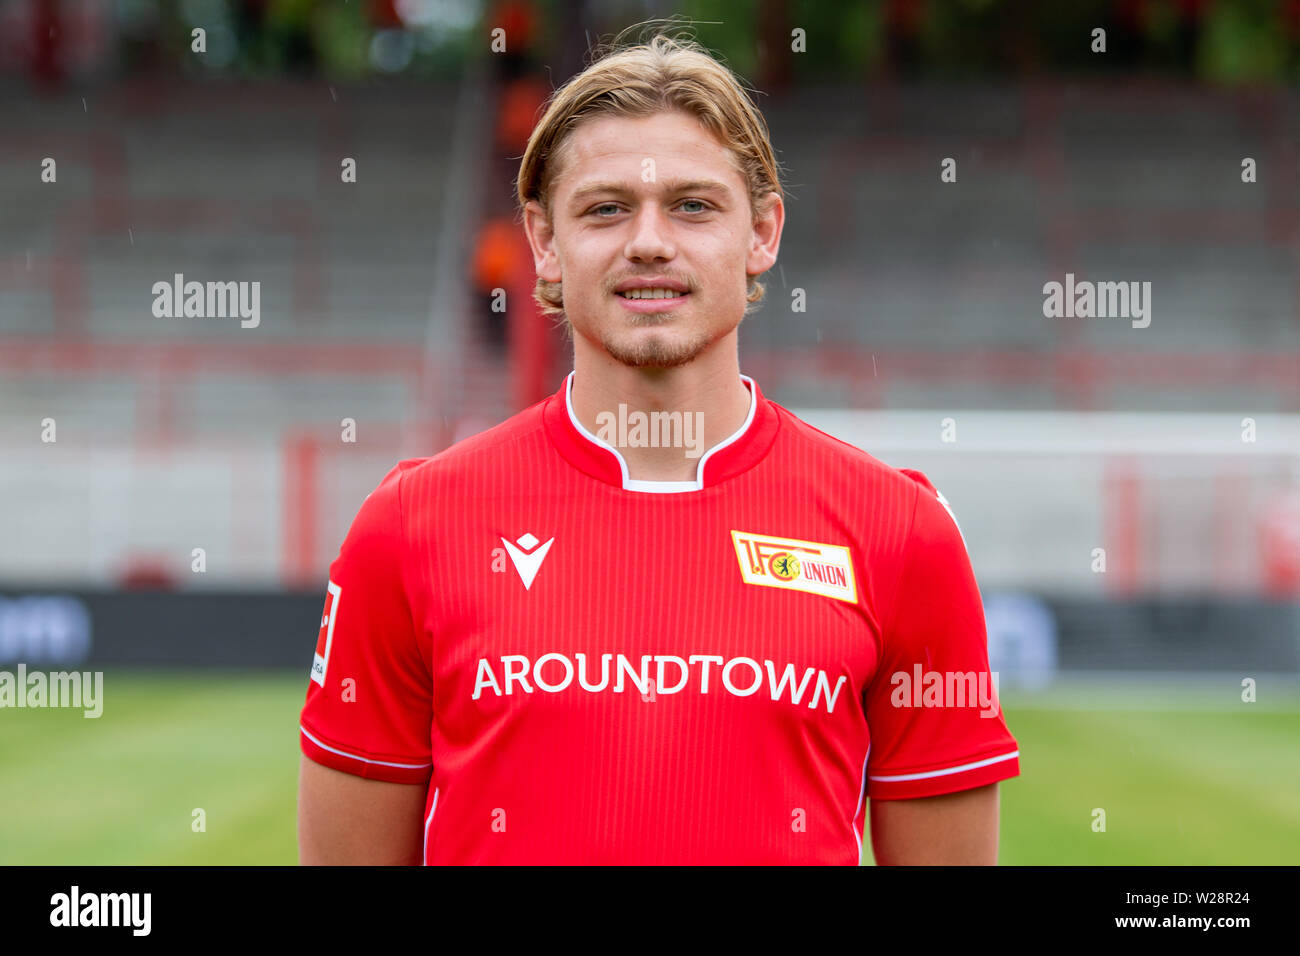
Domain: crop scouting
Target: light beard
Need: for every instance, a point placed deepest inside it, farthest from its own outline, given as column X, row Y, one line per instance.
column 658, row 351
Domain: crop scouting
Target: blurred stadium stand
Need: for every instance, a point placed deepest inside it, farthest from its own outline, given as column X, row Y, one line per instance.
column 213, row 183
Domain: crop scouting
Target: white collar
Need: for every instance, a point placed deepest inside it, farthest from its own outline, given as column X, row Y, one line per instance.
column 660, row 487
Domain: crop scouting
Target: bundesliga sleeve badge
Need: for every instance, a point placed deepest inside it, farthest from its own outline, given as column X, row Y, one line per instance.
column 326, row 635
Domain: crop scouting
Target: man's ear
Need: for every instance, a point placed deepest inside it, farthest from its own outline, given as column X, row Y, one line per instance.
column 767, row 235
column 541, row 239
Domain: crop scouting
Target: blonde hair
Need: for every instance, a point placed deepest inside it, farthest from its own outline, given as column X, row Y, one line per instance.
column 666, row 73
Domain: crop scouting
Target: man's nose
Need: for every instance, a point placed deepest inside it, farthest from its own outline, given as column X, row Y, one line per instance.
column 650, row 236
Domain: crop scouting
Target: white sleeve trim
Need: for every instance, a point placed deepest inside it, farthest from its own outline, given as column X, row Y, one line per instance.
column 896, row 778
column 344, row 753
column 427, row 820
column 947, row 507
column 862, row 792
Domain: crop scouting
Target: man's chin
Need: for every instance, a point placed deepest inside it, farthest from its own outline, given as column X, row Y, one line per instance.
column 655, row 352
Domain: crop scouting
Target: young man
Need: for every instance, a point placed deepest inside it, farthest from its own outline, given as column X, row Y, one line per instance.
column 654, row 619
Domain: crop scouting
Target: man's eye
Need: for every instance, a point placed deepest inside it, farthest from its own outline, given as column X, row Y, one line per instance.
column 699, row 202
column 607, row 205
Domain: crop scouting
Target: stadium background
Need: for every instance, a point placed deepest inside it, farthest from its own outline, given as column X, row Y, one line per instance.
column 923, row 302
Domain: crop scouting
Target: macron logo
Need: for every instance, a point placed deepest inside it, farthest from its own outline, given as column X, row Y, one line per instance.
column 528, row 560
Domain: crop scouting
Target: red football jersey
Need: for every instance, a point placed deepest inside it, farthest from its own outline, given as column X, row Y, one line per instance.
column 586, row 668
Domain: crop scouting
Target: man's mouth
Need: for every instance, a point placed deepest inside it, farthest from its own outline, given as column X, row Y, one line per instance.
column 652, row 294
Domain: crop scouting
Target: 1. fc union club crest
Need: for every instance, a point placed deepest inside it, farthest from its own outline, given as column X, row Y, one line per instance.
column 796, row 565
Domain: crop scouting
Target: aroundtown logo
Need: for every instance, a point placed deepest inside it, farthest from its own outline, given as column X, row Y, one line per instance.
column 73, row 689
column 739, row 676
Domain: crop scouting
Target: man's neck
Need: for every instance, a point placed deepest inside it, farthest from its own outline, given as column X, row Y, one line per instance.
column 706, row 404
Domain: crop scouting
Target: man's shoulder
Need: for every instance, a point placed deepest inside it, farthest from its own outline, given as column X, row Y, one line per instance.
column 902, row 498
column 481, row 454
column 844, row 459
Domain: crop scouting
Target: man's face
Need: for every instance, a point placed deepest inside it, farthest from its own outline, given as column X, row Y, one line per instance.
column 660, row 199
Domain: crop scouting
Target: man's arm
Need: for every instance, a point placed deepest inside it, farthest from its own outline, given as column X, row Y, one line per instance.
column 955, row 829
column 346, row 820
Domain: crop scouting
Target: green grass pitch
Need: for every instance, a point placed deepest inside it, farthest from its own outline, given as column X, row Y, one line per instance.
column 1185, row 776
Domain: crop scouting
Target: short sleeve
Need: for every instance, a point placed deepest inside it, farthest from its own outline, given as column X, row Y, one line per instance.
column 369, row 697
column 932, row 710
